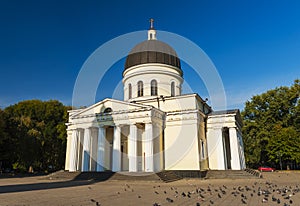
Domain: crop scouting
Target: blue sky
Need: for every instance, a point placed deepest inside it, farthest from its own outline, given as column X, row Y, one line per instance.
column 255, row 45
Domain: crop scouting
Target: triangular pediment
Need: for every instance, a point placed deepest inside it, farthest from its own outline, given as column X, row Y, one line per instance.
column 108, row 105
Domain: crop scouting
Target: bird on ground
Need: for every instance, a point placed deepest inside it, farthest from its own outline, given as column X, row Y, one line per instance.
column 264, row 200
column 243, row 201
column 169, row 199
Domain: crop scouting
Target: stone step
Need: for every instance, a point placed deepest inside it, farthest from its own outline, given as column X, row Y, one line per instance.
column 103, row 176
column 168, row 176
column 136, row 176
column 61, row 174
column 229, row 174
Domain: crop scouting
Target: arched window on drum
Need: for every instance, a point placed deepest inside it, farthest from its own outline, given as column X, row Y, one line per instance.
column 140, row 87
column 129, row 91
column 153, row 87
column 172, row 89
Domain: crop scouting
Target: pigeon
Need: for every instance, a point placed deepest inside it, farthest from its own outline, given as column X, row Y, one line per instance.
column 264, row 200
column 169, row 199
column 219, row 195
column 243, row 201
column 197, row 204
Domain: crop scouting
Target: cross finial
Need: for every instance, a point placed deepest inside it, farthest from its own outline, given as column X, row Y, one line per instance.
column 151, row 23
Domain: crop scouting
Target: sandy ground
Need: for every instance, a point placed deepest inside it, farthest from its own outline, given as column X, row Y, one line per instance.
column 284, row 186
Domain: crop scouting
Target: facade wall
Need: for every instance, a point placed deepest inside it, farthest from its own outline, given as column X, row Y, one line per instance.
column 181, row 146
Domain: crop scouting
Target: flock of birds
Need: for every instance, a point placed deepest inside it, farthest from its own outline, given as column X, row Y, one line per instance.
column 216, row 195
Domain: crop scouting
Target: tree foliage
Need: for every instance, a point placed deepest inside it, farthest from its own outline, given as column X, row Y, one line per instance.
column 272, row 127
column 34, row 134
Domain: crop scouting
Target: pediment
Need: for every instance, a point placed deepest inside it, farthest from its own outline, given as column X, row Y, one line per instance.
column 109, row 105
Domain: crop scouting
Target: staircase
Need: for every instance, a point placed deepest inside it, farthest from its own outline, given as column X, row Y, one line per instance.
column 62, row 175
column 136, row 176
column 230, row 174
column 168, row 176
column 103, row 176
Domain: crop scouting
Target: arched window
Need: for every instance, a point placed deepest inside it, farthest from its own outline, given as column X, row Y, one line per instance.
column 153, row 87
column 129, row 91
column 140, row 91
column 107, row 110
column 172, row 89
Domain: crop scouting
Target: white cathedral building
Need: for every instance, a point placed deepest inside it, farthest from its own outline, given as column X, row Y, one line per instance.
column 155, row 127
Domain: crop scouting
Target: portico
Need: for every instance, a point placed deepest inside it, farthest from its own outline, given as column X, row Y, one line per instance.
column 111, row 144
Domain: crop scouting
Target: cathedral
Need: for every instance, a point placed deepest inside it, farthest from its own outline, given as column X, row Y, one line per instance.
column 155, row 127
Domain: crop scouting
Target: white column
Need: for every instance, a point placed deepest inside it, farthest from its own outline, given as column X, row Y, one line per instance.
column 132, row 148
column 73, row 151
column 149, row 147
column 101, row 147
column 86, row 150
column 94, row 146
column 69, row 139
column 116, row 164
column 234, row 147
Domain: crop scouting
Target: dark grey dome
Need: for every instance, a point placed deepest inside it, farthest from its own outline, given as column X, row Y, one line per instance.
column 152, row 51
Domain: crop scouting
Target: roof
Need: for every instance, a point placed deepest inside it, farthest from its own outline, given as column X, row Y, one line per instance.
column 153, row 45
column 152, row 51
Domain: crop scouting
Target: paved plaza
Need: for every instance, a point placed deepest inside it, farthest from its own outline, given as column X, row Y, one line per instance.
column 278, row 188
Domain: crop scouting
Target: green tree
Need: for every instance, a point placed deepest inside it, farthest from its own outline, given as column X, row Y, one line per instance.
column 270, row 118
column 284, row 144
column 38, row 132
